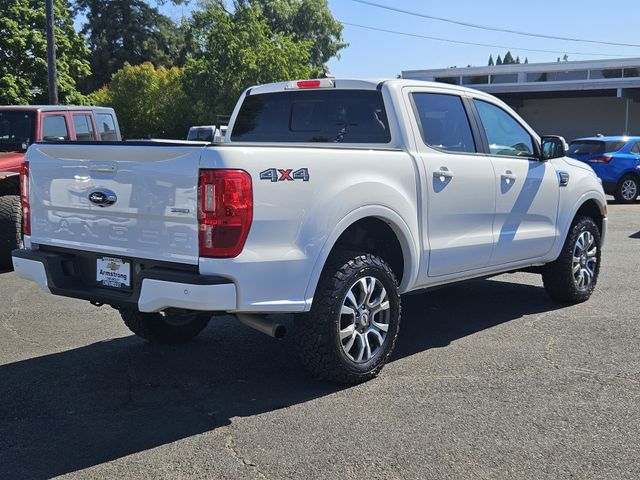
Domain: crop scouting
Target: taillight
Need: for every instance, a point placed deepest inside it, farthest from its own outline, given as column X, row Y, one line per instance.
column 225, row 211
column 601, row 159
column 24, row 198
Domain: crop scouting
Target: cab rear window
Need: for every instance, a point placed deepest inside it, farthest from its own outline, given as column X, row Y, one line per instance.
column 313, row 116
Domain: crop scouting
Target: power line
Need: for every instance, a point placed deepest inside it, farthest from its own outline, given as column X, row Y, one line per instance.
column 495, row 29
column 407, row 34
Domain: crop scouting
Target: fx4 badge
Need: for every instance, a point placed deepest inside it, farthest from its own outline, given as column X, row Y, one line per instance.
column 285, row 174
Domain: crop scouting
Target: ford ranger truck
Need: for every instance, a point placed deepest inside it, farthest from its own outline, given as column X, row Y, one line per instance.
column 329, row 199
column 22, row 125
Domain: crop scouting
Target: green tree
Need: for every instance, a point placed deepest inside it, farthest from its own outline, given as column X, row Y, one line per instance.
column 499, row 60
column 127, row 31
column 232, row 51
column 491, row 62
column 149, row 101
column 508, row 59
column 23, row 53
column 306, row 20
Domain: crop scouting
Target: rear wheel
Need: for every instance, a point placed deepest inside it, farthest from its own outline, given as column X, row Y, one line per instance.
column 628, row 189
column 164, row 328
column 352, row 328
column 573, row 276
column 10, row 228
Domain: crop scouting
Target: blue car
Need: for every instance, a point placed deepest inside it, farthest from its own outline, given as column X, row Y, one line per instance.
column 616, row 160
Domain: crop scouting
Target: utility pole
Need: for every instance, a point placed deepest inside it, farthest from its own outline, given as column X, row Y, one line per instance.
column 51, row 55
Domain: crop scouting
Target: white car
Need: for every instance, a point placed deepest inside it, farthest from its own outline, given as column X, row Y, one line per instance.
column 207, row 133
column 329, row 199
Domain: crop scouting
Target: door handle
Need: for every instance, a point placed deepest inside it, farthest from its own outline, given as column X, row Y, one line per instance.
column 443, row 174
column 508, row 176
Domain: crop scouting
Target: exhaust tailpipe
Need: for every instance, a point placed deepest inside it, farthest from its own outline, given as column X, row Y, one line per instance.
column 260, row 323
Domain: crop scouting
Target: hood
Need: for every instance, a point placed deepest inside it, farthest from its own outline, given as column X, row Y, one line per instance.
column 11, row 162
column 577, row 163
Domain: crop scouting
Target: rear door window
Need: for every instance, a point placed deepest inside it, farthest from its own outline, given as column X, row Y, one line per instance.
column 106, row 127
column 444, row 123
column 54, row 128
column 84, row 127
column 331, row 116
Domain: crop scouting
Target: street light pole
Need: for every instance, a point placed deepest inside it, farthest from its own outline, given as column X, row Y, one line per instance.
column 51, row 55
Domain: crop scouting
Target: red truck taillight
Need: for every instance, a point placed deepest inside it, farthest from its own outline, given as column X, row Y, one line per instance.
column 225, row 211
column 24, row 198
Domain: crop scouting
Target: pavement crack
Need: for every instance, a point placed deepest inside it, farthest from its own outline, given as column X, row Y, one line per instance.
column 6, row 324
column 548, row 350
column 233, row 449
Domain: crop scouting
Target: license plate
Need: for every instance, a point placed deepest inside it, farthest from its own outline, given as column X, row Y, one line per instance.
column 113, row 272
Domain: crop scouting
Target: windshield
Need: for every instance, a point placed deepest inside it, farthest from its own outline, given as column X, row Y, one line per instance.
column 594, row 147
column 16, row 131
column 201, row 134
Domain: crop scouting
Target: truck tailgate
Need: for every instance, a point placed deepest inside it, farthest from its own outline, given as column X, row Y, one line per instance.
column 154, row 215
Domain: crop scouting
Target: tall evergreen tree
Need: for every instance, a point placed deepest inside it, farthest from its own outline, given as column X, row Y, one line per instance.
column 127, row 31
column 508, row 59
column 499, row 60
column 491, row 62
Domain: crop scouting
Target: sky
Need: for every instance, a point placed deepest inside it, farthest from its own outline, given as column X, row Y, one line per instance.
column 377, row 54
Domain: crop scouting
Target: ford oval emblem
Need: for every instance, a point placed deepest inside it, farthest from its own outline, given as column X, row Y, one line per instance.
column 103, row 197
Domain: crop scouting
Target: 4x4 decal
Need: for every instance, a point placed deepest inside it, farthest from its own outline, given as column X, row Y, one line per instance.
column 285, row 174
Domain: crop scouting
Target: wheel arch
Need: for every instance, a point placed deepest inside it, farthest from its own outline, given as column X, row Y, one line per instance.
column 10, row 185
column 390, row 228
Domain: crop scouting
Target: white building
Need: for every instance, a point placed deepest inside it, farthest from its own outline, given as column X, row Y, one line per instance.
column 572, row 99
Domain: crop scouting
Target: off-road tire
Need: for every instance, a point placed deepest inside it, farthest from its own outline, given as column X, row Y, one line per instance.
column 157, row 328
column 316, row 332
column 618, row 195
column 558, row 276
column 10, row 228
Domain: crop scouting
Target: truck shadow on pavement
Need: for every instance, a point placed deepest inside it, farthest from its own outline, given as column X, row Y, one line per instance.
column 71, row 410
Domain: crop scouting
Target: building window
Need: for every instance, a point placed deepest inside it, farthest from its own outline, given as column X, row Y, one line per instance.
column 537, row 77
column 449, row 80
column 475, row 80
column 566, row 76
column 632, row 72
column 505, row 78
column 606, row 73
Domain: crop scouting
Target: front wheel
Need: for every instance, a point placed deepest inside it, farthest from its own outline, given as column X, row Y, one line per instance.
column 627, row 189
column 164, row 328
column 352, row 328
column 573, row 276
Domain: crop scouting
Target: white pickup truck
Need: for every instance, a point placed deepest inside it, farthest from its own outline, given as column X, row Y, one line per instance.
column 329, row 199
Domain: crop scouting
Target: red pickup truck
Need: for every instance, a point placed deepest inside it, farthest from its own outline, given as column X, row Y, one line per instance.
column 20, row 126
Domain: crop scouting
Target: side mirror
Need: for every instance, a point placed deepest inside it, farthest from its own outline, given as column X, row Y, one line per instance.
column 553, row 146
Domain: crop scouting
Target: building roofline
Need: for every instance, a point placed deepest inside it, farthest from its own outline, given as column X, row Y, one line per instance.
column 527, row 67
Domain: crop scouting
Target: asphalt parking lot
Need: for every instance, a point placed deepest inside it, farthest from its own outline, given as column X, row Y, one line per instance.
column 490, row 379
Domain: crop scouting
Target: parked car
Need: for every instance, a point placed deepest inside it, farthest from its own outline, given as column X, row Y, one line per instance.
column 207, row 133
column 616, row 160
column 22, row 125
column 329, row 199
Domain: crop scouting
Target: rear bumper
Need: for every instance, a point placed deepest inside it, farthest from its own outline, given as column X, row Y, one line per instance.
column 154, row 289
